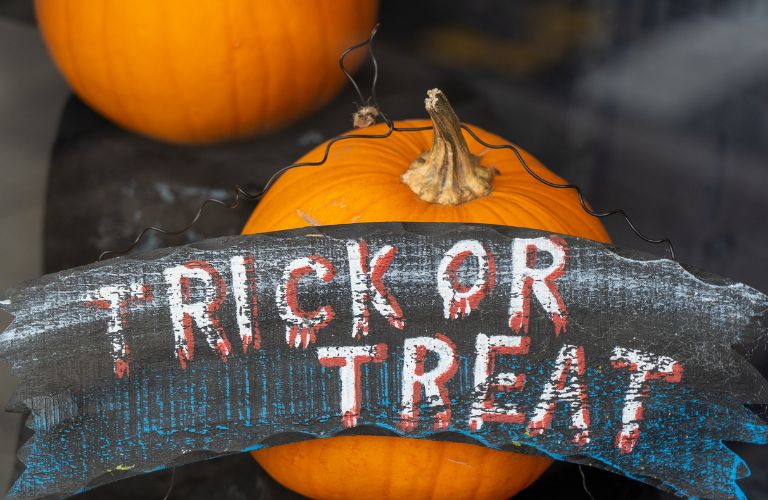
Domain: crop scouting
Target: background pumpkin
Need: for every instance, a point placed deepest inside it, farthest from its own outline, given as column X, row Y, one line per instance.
column 445, row 176
column 204, row 70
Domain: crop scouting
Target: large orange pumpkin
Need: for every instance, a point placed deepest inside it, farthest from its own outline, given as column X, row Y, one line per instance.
column 445, row 176
column 197, row 71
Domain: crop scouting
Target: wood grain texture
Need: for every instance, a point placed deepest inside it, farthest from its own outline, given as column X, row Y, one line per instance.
column 224, row 393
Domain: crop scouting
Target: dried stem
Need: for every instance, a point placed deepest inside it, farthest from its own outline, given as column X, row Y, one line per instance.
column 448, row 173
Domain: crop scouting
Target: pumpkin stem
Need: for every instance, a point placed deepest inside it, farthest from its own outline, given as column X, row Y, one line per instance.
column 448, row 173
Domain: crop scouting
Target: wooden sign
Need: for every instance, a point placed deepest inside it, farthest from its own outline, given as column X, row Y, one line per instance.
column 511, row 338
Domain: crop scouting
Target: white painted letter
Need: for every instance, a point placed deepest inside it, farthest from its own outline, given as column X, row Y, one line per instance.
column 302, row 326
column 116, row 299
column 527, row 278
column 484, row 408
column 202, row 313
column 246, row 302
column 367, row 285
column 643, row 368
column 565, row 386
column 458, row 299
column 432, row 382
column 348, row 359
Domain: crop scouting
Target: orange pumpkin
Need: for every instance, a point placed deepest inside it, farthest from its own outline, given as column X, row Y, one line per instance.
column 197, row 71
column 445, row 176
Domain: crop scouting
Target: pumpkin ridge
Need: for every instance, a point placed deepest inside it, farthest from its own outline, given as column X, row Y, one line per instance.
column 383, row 146
column 541, row 200
column 231, row 59
column 492, row 207
column 567, row 205
column 418, row 142
column 534, row 190
column 440, row 461
column 322, row 75
column 312, row 191
column 77, row 80
column 547, row 219
column 263, row 76
column 117, row 96
column 172, row 78
column 477, row 483
column 288, row 51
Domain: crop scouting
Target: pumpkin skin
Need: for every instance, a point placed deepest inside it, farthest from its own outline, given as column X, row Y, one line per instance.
column 205, row 70
column 379, row 467
column 361, row 182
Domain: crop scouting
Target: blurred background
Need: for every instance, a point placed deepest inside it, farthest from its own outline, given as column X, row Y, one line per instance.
column 659, row 107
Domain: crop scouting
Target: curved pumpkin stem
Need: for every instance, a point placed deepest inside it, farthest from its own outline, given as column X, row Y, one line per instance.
column 448, row 173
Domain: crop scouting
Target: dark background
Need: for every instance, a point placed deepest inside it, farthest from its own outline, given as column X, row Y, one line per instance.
column 659, row 107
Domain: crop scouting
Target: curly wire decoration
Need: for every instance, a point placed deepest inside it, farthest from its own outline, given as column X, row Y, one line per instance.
column 242, row 194
column 343, row 67
column 582, row 201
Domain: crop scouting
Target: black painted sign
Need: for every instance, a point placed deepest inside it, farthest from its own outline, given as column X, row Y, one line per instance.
column 511, row 338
